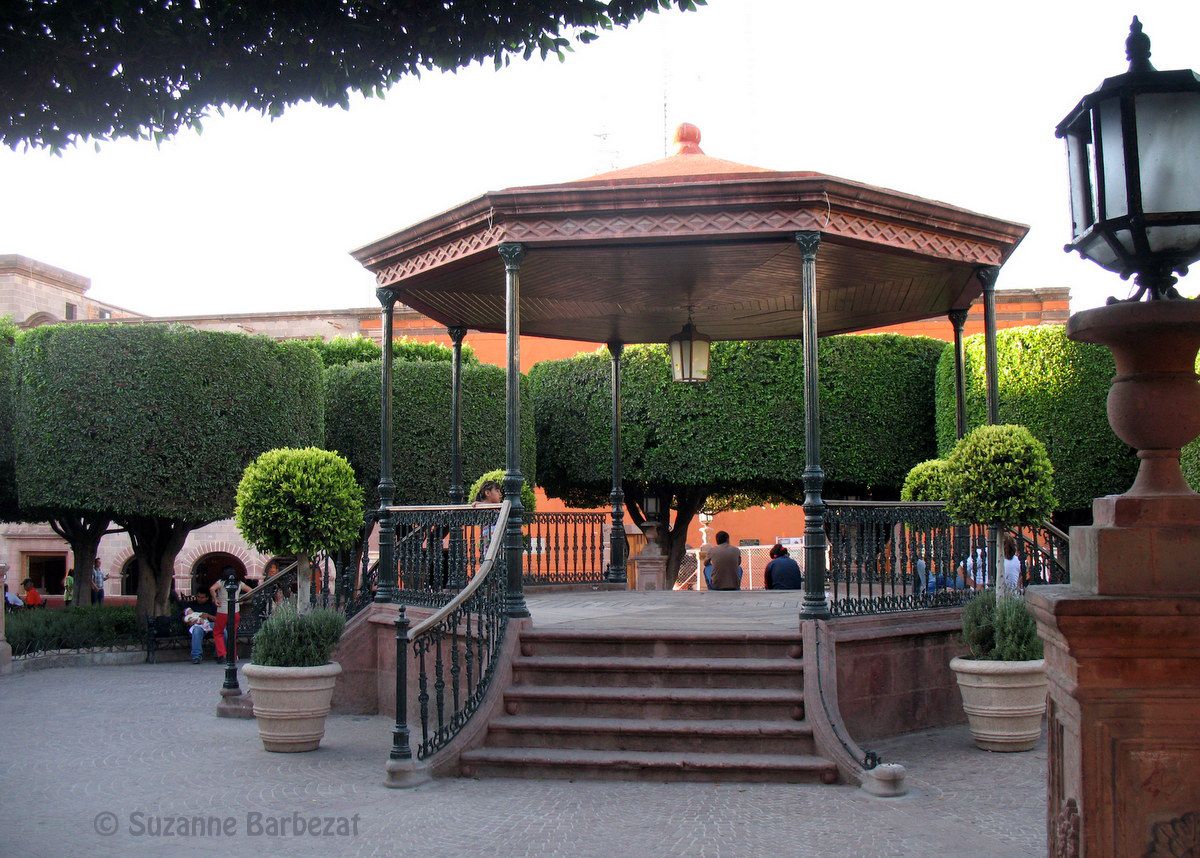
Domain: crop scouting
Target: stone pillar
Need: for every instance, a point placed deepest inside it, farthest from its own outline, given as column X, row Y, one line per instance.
column 1123, row 640
column 650, row 562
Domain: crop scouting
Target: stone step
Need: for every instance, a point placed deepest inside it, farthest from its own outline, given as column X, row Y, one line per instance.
column 620, row 734
column 656, row 766
column 666, row 671
column 759, row 704
column 639, row 643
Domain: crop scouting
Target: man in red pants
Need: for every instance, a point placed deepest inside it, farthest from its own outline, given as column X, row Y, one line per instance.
column 217, row 591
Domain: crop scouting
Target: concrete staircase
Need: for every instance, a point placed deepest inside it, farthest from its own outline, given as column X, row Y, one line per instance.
column 649, row 705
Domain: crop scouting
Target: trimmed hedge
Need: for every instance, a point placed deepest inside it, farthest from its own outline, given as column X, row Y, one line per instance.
column 421, row 426
column 340, row 351
column 927, row 481
column 82, row 627
column 1057, row 389
column 8, row 476
column 743, row 430
column 155, row 420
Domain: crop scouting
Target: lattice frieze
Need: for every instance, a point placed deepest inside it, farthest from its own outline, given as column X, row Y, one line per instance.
column 676, row 225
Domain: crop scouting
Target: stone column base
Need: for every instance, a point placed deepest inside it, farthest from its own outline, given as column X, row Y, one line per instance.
column 235, row 704
column 405, row 774
column 1124, row 747
column 651, row 569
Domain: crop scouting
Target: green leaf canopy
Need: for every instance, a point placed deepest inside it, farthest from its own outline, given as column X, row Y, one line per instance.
column 743, row 430
column 71, row 68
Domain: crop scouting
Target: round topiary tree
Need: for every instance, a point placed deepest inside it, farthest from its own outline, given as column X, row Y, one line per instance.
column 926, row 482
column 999, row 475
column 528, row 498
column 299, row 501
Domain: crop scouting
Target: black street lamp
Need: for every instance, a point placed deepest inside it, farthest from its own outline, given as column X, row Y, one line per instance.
column 1133, row 153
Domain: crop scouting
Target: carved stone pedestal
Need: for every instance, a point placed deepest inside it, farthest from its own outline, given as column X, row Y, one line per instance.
column 651, row 566
column 1123, row 641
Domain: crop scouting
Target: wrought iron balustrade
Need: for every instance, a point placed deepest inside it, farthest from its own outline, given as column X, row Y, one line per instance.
column 439, row 548
column 887, row 557
column 259, row 603
column 454, row 651
column 564, row 548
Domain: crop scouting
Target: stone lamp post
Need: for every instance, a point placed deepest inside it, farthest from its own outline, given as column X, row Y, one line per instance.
column 1123, row 640
column 651, row 563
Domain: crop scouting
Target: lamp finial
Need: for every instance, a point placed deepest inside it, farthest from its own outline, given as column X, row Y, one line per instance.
column 1137, row 48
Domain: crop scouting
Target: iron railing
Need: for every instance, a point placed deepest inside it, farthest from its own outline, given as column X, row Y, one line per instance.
column 887, row 557
column 438, row 549
column 564, row 548
column 455, row 651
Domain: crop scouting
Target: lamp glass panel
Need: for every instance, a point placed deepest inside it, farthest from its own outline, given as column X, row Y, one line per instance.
column 676, row 359
column 650, row 505
column 1183, row 240
column 1168, row 139
column 1097, row 249
column 1125, row 238
column 1108, row 117
column 1079, row 154
column 700, row 352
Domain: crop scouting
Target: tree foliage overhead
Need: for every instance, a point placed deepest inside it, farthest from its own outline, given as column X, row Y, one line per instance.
column 147, row 68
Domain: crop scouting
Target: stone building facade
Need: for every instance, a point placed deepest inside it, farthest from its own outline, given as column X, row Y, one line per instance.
column 35, row 293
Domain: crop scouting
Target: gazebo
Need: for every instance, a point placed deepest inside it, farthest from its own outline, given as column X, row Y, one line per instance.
column 634, row 255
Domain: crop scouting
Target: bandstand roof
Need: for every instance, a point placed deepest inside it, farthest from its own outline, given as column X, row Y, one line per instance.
column 625, row 254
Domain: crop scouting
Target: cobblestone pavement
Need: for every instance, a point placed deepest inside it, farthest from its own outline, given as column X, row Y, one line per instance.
column 143, row 739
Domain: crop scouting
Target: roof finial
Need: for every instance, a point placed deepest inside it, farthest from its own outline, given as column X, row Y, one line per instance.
column 687, row 140
column 1137, row 48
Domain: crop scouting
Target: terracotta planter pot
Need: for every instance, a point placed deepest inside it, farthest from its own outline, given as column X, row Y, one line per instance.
column 290, row 704
column 1004, row 701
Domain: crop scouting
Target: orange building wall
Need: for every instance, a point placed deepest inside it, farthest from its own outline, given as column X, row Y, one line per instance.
column 1014, row 308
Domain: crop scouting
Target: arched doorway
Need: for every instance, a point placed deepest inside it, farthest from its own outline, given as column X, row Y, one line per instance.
column 212, row 566
column 129, row 577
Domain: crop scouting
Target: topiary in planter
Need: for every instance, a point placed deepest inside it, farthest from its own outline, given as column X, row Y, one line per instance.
column 528, row 498
column 1001, row 630
column 926, row 482
column 288, row 639
column 999, row 475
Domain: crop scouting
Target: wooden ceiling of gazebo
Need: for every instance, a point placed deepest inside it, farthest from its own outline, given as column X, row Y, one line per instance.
column 624, row 255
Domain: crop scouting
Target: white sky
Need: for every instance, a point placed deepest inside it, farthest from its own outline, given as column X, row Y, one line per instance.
column 956, row 101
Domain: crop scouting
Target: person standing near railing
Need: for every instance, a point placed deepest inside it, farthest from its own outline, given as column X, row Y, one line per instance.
column 217, row 591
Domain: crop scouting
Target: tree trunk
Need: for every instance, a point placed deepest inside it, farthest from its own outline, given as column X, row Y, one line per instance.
column 303, row 583
column 83, row 533
column 156, row 544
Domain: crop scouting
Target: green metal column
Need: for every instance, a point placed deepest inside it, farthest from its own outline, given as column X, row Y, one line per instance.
column 617, row 572
column 815, row 605
column 386, row 575
column 456, row 487
column 958, row 318
column 514, row 605
column 987, row 275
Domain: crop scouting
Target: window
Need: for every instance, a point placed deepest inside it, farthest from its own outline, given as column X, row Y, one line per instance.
column 70, row 315
column 106, row 314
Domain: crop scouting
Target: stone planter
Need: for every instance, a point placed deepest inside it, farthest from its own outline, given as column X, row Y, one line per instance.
column 1004, row 701
column 290, row 704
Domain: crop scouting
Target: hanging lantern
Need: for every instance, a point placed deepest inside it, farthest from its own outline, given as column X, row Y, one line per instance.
column 1133, row 151
column 689, row 354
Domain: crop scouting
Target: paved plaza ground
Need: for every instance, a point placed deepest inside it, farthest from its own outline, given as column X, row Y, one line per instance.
column 119, row 745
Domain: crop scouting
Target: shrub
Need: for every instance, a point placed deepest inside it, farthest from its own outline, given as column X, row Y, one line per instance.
column 341, row 351
column 299, row 502
column 421, row 426
column 1001, row 630
column 84, row 627
column 999, row 475
column 8, row 477
column 1057, row 389
column 926, row 482
column 528, row 498
column 288, row 639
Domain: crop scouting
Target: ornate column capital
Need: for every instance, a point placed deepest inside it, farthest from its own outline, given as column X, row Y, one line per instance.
column 808, row 241
column 986, row 275
column 512, row 253
column 958, row 318
column 386, row 298
column 615, row 347
column 457, row 334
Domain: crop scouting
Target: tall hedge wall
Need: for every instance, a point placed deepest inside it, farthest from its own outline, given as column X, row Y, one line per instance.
column 1057, row 389
column 421, row 426
column 744, row 429
column 8, row 477
column 155, row 420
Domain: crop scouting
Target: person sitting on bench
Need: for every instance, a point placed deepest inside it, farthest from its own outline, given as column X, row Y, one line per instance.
column 199, row 618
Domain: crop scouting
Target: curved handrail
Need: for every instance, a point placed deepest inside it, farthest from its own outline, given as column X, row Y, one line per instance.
column 274, row 579
column 485, row 568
